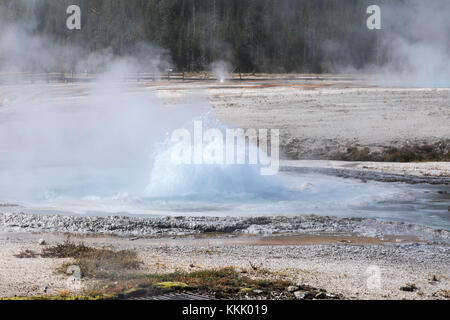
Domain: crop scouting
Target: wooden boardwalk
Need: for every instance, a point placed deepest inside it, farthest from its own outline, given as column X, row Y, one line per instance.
column 173, row 296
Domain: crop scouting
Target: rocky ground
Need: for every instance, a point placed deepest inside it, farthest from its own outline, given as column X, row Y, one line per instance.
column 338, row 255
column 190, row 225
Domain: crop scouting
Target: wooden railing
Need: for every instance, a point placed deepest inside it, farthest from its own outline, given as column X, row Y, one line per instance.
column 60, row 77
column 55, row 77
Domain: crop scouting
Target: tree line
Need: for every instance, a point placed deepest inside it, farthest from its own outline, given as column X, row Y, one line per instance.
column 251, row 35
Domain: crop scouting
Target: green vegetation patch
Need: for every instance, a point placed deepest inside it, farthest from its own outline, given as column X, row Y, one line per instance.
column 117, row 276
column 218, row 283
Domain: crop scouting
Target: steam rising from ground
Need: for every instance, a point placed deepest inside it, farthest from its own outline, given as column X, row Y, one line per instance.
column 99, row 142
column 221, row 70
column 411, row 49
column 102, row 142
column 112, row 141
column 417, row 43
column 414, row 44
column 22, row 50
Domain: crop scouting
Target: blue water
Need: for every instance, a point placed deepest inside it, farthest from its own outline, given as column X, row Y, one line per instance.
column 288, row 193
column 106, row 155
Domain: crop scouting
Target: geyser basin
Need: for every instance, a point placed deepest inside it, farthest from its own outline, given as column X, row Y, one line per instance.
column 307, row 194
column 95, row 154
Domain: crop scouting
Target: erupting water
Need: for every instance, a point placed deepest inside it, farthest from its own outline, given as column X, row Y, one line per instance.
column 106, row 153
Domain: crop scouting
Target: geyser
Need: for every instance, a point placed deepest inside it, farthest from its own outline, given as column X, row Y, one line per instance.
column 105, row 143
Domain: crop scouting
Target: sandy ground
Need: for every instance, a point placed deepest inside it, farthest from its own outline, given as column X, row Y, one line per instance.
column 325, row 120
column 338, row 263
column 27, row 277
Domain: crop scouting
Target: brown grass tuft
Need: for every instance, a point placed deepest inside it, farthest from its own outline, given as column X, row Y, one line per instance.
column 103, row 262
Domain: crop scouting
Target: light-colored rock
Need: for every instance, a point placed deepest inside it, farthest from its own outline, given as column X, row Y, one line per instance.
column 292, row 288
column 300, row 295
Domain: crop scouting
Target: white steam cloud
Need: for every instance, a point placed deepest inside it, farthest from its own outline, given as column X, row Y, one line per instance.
column 76, row 140
column 221, row 70
column 417, row 43
column 97, row 139
column 411, row 49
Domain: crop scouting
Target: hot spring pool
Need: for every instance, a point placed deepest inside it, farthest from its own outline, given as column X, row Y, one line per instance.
column 298, row 194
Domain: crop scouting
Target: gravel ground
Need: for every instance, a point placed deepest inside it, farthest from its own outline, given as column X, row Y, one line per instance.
column 339, row 266
column 324, row 252
column 186, row 225
column 27, row 277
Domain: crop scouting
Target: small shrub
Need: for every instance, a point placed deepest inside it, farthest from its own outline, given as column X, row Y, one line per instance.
column 95, row 262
